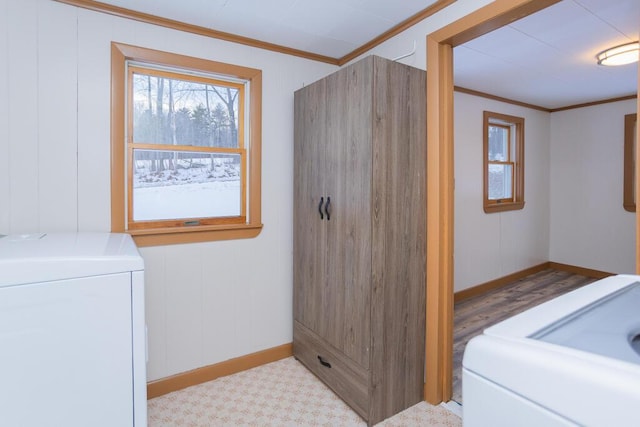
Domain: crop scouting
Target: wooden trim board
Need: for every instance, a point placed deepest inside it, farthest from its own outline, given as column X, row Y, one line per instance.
column 394, row 31
column 195, row 29
column 439, row 274
column 232, row 366
column 597, row 274
column 483, row 288
column 637, row 183
column 123, row 12
column 439, row 343
column 499, row 98
column 222, row 369
column 591, row 104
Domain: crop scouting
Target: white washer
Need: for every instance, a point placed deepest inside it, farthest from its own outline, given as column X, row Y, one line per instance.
column 72, row 332
column 574, row 360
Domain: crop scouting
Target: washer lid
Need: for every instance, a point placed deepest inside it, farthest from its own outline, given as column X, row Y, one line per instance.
column 31, row 258
column 609, row 326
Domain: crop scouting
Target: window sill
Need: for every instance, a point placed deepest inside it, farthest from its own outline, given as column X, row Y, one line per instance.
column 172, row 236
column 502, row 207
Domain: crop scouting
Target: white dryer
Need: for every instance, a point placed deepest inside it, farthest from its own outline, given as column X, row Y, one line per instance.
column 72, row 331
column 571, row 361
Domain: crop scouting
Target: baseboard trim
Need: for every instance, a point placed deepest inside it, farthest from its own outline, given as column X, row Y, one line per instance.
column 207, row 373
column 217, row 370
column 502, row 281
column 497, row 283
column 596, row 274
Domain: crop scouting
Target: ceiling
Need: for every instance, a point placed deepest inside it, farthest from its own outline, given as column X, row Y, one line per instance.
column 546, row 59
column 330, row 28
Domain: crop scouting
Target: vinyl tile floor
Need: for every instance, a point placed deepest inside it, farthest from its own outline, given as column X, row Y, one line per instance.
column 282, row 393
column 474, row 315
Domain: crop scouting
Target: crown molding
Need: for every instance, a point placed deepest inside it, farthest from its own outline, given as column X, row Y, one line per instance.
column 247, row 41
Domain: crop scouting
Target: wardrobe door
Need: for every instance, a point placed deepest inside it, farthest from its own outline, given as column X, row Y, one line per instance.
column 348, row 183
column 309, row 218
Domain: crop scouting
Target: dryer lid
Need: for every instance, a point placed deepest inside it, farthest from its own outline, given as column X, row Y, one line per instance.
column 41, row 257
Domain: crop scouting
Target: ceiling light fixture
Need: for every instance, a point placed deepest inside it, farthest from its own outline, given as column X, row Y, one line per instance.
column 619, row 55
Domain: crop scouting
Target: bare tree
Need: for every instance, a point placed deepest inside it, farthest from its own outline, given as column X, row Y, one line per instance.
column 229, row 100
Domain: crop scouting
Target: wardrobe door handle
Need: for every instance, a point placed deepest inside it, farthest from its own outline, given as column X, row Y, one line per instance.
column 320, row 207
column 327, row 209
column 324, row 362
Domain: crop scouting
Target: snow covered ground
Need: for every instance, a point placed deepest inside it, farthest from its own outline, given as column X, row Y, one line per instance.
column 197, row 200
column 187, row 192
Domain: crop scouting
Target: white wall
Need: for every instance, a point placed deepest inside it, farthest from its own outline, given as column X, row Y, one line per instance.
column 486, row 246
column 403, row 43
column 573, row 193
column 589, row 226
column 206, row 302
column 209, row 302
column 489, row 246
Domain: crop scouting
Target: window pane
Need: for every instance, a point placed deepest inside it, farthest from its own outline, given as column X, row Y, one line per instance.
column 177, row 185
column 180, row 112
column 498, row 143
column 500, row 182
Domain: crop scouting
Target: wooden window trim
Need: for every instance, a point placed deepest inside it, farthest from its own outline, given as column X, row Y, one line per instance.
column 120, row 53
column 629, row 202
column 517, row 202
column 133, row 225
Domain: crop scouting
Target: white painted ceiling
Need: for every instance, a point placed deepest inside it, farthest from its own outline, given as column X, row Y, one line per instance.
column 326, row 27
column 549, row 58
column 546, row 59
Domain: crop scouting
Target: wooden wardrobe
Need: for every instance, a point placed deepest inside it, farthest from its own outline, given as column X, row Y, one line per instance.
column 359, row 234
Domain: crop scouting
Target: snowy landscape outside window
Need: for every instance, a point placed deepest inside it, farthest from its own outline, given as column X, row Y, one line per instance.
column 186, row 157
column 503, row 162
column 186, row 152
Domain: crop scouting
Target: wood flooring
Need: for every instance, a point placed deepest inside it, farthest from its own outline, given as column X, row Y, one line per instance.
column 473, row 315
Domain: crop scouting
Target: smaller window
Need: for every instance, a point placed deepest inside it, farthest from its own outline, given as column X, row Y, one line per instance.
column 503, row 154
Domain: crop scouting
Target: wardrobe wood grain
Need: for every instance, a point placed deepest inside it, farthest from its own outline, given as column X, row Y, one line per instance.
column 363, row 299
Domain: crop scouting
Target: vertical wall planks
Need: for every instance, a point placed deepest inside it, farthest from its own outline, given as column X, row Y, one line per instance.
column 222, row 296
column 94, row 109
column 57, row 118
column 5, row 178
column 184, row 306
column 22, row 75
column 155, row 300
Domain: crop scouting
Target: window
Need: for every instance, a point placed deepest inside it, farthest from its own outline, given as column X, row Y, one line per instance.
column 630, row 142
column 185, row 146
column 503, row 162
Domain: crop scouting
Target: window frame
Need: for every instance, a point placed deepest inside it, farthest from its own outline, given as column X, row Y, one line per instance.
column 120, row 150
column 629, row 178
column 516, row 159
